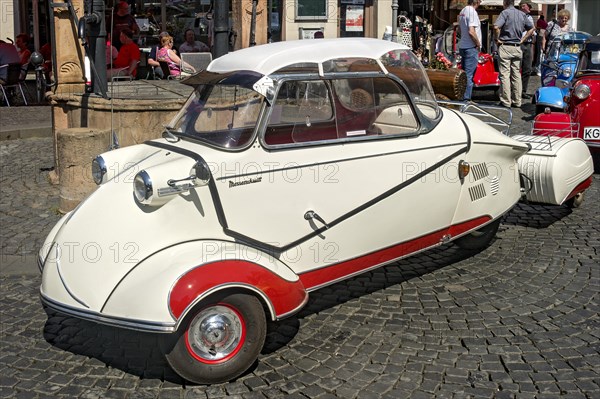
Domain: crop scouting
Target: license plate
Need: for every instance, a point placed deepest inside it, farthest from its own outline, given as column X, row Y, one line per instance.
column 591, row 133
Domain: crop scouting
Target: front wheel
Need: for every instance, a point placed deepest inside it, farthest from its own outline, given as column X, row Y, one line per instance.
column 479, row 239
column 220, row 341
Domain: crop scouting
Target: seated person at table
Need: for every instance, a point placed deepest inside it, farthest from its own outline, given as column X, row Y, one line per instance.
column 191, row 45
column 111, row 52
column 129, row 57
column 166, row 54
column 153, row 57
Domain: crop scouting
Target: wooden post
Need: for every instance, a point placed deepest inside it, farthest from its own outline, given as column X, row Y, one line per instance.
column 242, row 21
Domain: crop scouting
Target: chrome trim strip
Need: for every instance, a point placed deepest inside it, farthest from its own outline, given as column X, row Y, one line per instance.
column 62, row 280
column 222, row 287
column 294, row 311
column 338, row 161
column 130, row 324
column 348, row 276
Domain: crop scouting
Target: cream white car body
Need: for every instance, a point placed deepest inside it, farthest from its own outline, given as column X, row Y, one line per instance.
column 279, row 219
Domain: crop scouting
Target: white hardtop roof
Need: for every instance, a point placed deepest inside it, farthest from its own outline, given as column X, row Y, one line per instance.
column 268, row 58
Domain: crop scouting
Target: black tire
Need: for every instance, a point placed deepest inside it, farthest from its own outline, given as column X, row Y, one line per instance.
column 240, row 341
column 539, row 109
column 576, row 201
column 479, row 239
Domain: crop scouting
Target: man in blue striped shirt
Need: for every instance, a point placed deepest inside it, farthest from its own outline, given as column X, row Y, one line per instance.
column 509, row 28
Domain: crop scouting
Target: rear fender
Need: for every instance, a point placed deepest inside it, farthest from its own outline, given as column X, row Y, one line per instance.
column 553, row 124
column 550, row 96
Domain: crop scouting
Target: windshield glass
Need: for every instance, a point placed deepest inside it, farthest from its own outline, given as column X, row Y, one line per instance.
column 590, row 61
column 405, row 65
column 221, row 115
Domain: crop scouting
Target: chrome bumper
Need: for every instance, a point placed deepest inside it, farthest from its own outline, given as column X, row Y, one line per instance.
column 130, row 324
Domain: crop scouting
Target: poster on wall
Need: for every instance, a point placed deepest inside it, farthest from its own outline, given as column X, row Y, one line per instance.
column 354, row 18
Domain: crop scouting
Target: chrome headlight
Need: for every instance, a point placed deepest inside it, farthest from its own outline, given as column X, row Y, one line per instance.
column 142, row 187
column 98, row 169
column 481, row 59
column 582, row 91
column 566, row 71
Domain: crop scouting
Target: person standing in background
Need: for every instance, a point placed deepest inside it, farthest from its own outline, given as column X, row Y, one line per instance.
column 540, row 26
column 470, row 43
column 509, row 28
column 527, row 49
column 122, row 20
column 555, row 28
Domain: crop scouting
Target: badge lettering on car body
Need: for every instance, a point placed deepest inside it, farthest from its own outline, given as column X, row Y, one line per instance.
column 244, row 182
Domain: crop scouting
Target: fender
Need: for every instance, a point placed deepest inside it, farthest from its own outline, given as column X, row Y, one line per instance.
column 552, row 124
column 162, row 288
column 550, row 96
column 283, row 297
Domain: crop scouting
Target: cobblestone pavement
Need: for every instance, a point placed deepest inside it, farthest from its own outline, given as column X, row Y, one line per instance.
column 519, row 319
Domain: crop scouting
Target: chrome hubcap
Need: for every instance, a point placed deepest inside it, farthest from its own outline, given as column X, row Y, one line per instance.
column 215, row 333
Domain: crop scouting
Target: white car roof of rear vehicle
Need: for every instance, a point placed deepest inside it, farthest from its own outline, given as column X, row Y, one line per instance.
column 268, row 58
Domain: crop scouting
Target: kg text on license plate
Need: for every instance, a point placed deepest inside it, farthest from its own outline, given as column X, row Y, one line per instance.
column 591, row 133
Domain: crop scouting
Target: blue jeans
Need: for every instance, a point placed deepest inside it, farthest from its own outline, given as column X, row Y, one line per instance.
column 469, row 59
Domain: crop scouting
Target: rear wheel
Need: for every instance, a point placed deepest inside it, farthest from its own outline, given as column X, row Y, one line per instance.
column 479, row 239
column 220, row 340
column 575, row 201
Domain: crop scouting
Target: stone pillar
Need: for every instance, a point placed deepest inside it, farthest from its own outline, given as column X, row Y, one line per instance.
column 77, row 147
column 242, row 18
column 69, row 52
column 69, row 68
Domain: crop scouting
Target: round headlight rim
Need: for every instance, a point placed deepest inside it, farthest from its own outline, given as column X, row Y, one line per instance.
column 99, row 164
column 144, row 179
column 582, row 91
column 566, row 71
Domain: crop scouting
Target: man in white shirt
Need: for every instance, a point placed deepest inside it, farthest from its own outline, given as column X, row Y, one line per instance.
column 191, row 45
column 470, row 42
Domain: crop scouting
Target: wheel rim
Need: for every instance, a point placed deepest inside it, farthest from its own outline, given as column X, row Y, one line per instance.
column 216, row 334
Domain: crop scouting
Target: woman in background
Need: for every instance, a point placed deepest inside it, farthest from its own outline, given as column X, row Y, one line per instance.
column 166, row 54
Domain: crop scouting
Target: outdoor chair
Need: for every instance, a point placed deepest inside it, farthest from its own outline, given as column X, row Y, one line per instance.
column 198, row 60
column 166, row 71
column 13, row 80
column 123, row 73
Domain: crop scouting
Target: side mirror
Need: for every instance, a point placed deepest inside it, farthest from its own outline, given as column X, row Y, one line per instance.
column 202, row 173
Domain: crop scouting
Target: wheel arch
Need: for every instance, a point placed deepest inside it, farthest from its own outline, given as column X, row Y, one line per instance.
column 279, row 297
column 144, row 294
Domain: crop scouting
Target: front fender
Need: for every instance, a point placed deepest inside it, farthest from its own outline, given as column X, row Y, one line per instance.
column 165, row 286
column 550, row 96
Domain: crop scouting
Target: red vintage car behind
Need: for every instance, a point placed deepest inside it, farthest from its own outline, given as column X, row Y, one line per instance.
column 582, row 116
